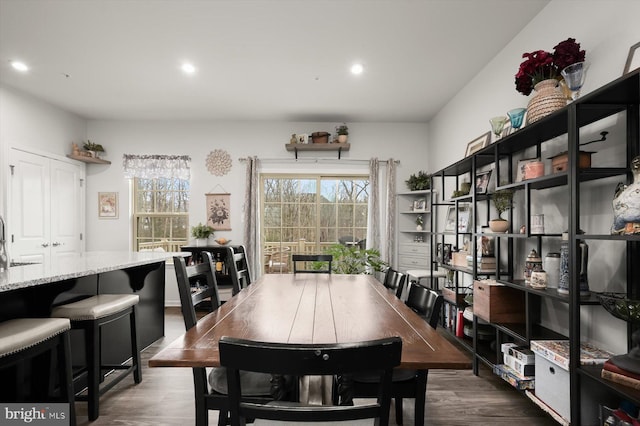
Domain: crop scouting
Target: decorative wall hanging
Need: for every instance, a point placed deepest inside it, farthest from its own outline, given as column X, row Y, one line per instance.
column 107, row 205
column 219, row 211
column 219, row 162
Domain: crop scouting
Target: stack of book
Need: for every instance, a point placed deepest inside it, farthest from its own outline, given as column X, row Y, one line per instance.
column 519, row 366
column 612, row 372
column 484, row 263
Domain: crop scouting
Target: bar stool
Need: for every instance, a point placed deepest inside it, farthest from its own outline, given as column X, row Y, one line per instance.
column 89, row 315
column 27, row 338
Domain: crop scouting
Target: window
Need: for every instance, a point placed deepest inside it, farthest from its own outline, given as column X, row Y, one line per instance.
column 310, row 213
column 161, row 213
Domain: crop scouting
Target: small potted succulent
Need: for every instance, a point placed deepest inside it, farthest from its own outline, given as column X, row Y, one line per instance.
column 201, row 233
column 419, row 222
column 343, row 132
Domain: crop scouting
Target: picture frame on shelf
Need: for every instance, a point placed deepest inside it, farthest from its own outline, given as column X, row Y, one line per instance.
column 521, row 168
column 478, row 143
column 450, row 221
column 420, row 205
column 464, row 218
column 302, row 137
column 482, row 182
column 633, row 61
column 443, row 253
column 506, row 131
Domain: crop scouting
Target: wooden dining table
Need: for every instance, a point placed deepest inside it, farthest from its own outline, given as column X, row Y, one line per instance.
column 314, row 308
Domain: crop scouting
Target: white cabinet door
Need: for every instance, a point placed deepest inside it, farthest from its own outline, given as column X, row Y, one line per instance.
column 45, row 206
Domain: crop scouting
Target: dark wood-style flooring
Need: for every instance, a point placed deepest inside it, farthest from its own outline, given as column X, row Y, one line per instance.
column 165, row 397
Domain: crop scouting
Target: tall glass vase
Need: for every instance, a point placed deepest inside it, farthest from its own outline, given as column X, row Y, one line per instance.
column 547, row 99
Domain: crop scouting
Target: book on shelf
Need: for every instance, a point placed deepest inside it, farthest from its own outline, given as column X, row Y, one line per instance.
column 621, row 379
column 612, row 372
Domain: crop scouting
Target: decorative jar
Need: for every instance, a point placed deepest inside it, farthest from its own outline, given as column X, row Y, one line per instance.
column 552, row 267
column 533, row 263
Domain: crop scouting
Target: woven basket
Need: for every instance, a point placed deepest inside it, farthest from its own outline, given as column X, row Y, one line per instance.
column 548, row 98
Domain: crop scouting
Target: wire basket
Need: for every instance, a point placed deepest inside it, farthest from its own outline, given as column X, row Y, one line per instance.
column 618, row 305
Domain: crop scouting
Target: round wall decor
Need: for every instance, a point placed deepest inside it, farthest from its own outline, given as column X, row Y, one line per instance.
column 219, row 162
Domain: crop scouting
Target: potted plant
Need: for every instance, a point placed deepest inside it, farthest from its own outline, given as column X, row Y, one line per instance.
column 342, row 131
column 93, row 148
column 502, row 201
column 419, row 222
column 354, row 260
column 201, row 233
column 419, row 182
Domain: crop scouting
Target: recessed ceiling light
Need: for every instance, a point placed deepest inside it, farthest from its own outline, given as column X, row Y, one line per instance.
column 357, row 69
column 19, row 66
column 188, row 68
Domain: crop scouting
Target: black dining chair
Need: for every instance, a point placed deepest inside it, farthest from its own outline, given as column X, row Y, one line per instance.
column 195, row 284
column 379, row 356
column 238, row 267
column 406, row 383
column 321, row 263
column 394, row 281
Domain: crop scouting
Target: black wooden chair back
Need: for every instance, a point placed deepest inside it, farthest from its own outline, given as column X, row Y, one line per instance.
column 426, row 303
column 309, row 359
column 238, row 267
column 406, row 383
column 394, row 280
column 322, row 260
column 196, row 284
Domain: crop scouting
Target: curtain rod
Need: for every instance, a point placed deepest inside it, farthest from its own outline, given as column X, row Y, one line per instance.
column 316, row 160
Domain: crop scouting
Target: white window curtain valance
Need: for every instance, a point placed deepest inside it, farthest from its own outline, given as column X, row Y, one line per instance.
column 156, row 166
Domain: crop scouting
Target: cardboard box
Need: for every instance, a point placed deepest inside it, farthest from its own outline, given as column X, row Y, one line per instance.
column 560, row 162
column 498, row 303
column 552, row 378
column 449, row 294
column 520, row 367
column 459, row 258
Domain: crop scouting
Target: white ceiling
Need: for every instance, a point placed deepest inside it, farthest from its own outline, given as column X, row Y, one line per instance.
column 257, row 59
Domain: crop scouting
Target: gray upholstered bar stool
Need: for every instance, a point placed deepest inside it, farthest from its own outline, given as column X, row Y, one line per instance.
column 89, row 315
column 28, row 338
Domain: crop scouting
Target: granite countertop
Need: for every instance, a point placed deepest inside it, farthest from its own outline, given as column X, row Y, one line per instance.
column 75, row 266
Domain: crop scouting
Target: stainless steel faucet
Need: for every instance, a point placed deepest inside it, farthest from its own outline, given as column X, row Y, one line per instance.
column 4, row 256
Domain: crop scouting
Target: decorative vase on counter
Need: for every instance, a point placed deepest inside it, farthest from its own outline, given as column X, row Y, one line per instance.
column 547, row 99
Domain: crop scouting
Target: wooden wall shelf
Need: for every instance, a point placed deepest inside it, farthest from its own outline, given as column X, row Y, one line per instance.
column 88, row 159
column 340, row 147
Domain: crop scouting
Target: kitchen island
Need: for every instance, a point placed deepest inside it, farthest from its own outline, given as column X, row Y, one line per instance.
column 32, row 290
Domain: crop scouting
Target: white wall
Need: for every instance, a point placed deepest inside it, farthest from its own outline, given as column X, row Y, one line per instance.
column 606, row 29
column 404, row 142
column 28, row 122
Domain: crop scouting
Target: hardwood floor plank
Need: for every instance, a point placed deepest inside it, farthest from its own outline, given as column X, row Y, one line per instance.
column 454, row 398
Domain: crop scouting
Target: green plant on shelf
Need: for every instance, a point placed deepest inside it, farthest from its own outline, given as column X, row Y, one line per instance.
column 90, row 146
column 419, row 182
column 502, row 200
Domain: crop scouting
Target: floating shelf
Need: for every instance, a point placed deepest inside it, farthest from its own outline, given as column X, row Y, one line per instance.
column 340, row 147
column 88, row 159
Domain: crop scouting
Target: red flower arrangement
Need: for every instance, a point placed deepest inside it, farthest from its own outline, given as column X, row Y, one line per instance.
column 541, row 65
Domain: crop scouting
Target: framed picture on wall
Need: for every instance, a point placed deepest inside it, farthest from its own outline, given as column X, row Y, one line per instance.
column 219, row 211
column 107, row 205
